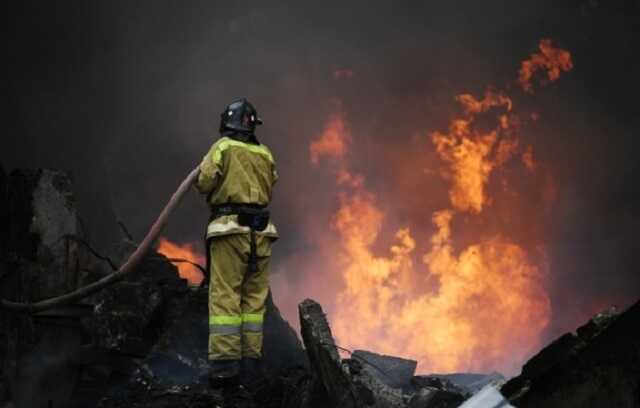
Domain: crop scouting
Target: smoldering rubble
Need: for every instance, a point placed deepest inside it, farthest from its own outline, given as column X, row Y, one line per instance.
column 142, row 341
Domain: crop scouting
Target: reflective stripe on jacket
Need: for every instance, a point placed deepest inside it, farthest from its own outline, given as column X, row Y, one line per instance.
column 237, row 172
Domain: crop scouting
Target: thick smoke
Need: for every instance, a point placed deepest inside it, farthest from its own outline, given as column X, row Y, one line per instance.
column 126, row 96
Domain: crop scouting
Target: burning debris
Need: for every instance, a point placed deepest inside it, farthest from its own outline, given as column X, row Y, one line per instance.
column 184, row 253
column 142, row 342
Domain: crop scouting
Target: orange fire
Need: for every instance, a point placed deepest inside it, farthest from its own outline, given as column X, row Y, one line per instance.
column 553, row 60
column 180, row 253
column 333, row 141
column 469, row 152
column 477, row 307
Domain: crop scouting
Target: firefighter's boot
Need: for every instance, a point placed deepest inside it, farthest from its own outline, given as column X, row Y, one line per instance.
column 224, row 374
column 251, row 372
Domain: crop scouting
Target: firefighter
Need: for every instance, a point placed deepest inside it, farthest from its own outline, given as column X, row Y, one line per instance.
column 237, row 175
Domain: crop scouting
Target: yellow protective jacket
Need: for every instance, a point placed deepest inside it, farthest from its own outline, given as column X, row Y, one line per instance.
column 239, row 173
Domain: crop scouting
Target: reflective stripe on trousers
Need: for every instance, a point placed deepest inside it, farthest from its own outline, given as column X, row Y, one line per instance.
column 252, row 322
column 249, row 322
column 237, row 300
column 225, row 324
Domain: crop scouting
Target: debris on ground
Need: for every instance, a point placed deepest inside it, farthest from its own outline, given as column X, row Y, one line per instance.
column 142, row 342
column 598, row 366
column 487, row 397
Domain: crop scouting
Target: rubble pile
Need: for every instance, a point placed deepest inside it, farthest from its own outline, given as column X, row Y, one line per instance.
column 367, row 379
column 39, row 262
column 147, row 332
column 142, row 342
column 598, row 366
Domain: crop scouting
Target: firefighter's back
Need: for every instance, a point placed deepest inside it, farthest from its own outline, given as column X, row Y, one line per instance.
column 248, row 173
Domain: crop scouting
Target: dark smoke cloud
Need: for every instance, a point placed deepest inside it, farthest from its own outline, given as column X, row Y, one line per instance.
column 126, row 96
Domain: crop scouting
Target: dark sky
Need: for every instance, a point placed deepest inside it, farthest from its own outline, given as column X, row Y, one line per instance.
column 126, row 96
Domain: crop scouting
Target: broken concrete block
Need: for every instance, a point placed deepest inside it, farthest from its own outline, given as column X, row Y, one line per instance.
column 41, row 263
column 396, row 372
column 41, row 214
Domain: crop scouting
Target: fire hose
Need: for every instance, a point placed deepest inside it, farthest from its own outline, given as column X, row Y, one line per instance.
column 132, row 262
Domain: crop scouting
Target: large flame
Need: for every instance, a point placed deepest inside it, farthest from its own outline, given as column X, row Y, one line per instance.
column 480, row 307
column 181, row 253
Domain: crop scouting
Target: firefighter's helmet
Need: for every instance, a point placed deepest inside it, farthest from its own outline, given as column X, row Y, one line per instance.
column 240, row 116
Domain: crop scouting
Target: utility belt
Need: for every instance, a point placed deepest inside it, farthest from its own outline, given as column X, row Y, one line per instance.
column 254, row 216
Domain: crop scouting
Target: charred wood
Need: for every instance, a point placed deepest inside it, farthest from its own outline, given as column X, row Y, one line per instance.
column 324, row 358
column 345, row 383
column 596, row 367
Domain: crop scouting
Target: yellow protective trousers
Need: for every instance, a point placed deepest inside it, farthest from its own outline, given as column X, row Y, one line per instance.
column 237, row 297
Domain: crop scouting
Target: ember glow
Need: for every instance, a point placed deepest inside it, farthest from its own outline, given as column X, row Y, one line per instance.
column 478, row 307
column 183, row 252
